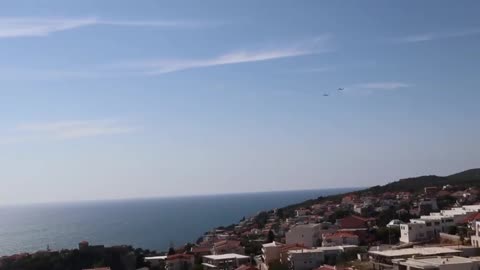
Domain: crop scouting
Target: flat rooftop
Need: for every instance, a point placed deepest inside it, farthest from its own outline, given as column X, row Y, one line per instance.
column 272, row 244
column 423, row 251
column 322, row 249
column 156, row 258
column 228, row 256
column 435, row 261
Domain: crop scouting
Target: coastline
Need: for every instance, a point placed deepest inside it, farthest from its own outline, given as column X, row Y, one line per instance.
column 244, row 204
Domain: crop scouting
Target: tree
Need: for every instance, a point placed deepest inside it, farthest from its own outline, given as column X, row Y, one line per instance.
column 171, row 250
column 387, row 235
column 452, row 230
column 270, row 237
column 277, row 266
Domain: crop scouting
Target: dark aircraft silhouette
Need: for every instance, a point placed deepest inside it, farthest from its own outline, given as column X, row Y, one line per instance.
column 340, row 89
column 325, row 95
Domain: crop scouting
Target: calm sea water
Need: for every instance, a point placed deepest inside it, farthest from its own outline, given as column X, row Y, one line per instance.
column 145, row 223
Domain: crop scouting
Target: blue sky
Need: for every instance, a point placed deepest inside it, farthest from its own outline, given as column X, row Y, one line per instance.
column 115, row 99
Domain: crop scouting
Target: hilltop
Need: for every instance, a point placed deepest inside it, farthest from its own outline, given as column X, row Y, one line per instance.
column 468, row 178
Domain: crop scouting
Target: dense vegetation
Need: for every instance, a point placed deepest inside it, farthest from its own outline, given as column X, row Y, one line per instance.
column 115, row 258
column 465, row 179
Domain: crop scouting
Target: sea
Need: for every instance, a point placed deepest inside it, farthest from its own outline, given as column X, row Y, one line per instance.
column 143, row 223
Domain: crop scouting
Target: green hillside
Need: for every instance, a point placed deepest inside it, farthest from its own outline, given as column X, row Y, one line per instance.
column 465, row 179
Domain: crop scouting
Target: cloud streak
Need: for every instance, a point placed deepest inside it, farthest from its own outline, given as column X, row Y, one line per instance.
column 435, row 36
column 15, row 27
column 75, row 129
column 163, row 66
column 64, row 130
column 382, row 85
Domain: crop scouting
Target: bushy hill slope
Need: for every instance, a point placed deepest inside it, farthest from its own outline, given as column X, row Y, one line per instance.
column 468, row 178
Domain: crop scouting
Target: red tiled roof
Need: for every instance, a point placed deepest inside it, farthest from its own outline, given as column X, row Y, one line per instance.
column 340, row 234
column 472, row 217
column 229, row 243
column 288, row 247
column 179, row 256
column 201, row 249
column 246, row 267
column 354, row 222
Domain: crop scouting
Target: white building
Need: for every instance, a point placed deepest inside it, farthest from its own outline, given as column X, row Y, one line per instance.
column 424, row 229
column 381, row 259
column 308, row 259
column 475, row 239
column 271, row 252
column 305, row 259
column 428, row 227
column 156, row 261
column 228, row 261
column 437, row 263
column 309, row 235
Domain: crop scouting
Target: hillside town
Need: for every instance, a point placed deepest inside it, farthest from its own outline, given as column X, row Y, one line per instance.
column 437, row 227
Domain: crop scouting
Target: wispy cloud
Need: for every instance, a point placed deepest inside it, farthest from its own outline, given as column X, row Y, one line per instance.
column 75, row 129
column 381, row 85
column 314, row 69
column 13, row 27
column 162, row 66
column 439, row 35
column 64, row 130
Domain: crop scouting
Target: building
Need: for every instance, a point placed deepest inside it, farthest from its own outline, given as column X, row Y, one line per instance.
column 271, row 252
column 285, row 249
column 228, row 261
column 227, row 246
column 179, row 262
column 157, row 262
column 384, row 259
column 307, row 234
column 302, row 212
column 361, row 209
column 424, row 229
column 349, row 199
column 475, row 239
column 305, row 259
column 437, row 263
column 355, row 222
column 428, row 227
column 308, row 259
column 395, row 223
column 339, row 239
column 332, row 267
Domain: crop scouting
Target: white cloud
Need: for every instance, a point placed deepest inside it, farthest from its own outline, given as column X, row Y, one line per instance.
column 382, row 85
column 160, row 66
column 74, row 129
column 315, row 69
column 36, row 27
column 434, row 36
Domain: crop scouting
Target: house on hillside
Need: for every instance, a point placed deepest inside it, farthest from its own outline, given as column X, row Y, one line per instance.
column 179, row 262
column 339, row 239
column 227, row 246
column 355, row 222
